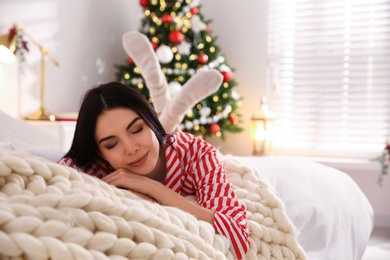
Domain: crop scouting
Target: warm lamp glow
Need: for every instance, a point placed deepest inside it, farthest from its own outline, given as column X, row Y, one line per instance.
column 7, row 49
column 262, row 129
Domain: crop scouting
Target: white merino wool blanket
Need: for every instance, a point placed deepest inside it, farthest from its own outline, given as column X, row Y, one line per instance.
column 50, row 211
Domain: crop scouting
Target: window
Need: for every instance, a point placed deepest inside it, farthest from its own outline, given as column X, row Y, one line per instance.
column 329, row 76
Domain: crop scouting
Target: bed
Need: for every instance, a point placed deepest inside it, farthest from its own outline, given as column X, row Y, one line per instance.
column 297, row 209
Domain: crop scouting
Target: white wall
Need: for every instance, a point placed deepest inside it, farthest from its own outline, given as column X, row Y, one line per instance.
column 241, row 29
column 85, row 37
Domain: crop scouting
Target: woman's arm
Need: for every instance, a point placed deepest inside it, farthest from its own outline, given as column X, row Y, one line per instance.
column 148, row 189
column 159, row 192
column 167, row 197
column 216, row 193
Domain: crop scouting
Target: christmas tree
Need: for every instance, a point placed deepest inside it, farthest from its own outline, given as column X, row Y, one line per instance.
column 184, row 45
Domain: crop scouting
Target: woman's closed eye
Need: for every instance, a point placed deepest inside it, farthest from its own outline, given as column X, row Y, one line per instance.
column 137, row 130
column 110, row 145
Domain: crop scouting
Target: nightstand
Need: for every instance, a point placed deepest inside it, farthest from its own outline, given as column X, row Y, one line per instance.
column 61, row 131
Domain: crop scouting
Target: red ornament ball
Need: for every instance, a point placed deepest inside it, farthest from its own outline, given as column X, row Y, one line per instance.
column 214, row 128
column 154, row 45
column 203, row 58
column 227, row 75
column 130, row 61
column 144, row 3
column 208, row 29
column 176, row 37
column 233, row 119
column 166, row 18
column 194, row 10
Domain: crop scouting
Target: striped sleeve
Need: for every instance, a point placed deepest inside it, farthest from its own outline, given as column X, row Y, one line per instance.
column 67, row 161
column 213, row 191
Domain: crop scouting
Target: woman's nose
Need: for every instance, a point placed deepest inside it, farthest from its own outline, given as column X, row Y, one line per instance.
column 131, row 147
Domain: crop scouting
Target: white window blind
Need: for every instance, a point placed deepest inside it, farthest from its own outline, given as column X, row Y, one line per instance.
column 329, row 76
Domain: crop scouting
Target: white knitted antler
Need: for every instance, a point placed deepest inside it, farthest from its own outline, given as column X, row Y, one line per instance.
column 171, row 109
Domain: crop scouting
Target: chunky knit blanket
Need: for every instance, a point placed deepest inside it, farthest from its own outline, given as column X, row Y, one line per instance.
column 49, row 211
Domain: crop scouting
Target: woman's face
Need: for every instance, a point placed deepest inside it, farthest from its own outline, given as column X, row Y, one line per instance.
column 126, row 141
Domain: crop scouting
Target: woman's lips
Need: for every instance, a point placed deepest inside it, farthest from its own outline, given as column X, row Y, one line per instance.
column 139, row 161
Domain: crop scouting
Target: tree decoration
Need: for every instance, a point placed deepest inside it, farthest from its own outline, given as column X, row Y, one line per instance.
column 197, row 24
column 144, row 3
column 194, row 10
column 214, row 128
column 184, row 48
column 176, row 37
column 205, row 111
column 130, row 61
column 233, row 119
column 164, row 54
column 174, row 87
column 184, row 45
column 154, row 45
column 166, row 18
column 203, row 58
column 227, row 75
column 194, row 3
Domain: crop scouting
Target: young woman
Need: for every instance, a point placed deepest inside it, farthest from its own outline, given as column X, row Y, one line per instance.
column 119, row 139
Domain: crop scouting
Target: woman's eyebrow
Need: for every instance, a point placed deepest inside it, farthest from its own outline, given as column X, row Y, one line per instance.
column 133, row 122
column 127, row 128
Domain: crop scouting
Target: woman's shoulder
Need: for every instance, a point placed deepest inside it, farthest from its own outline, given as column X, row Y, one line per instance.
column 183, row 138
column 67, row 161
column 184, row 142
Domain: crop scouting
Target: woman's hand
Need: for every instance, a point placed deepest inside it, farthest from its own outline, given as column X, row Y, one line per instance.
column 128, row 180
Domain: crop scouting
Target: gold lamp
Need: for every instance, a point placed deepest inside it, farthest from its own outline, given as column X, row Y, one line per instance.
column 8, row 50
column 262, row 129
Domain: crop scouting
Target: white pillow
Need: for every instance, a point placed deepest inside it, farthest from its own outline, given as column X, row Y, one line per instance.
column 22, row 135
column 332, row 216
column 52, row 154
column 7, row 145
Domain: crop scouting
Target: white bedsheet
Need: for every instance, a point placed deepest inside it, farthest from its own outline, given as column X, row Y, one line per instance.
column 332, row 216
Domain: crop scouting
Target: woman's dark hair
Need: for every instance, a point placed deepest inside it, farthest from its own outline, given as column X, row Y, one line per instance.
column 84, row 149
